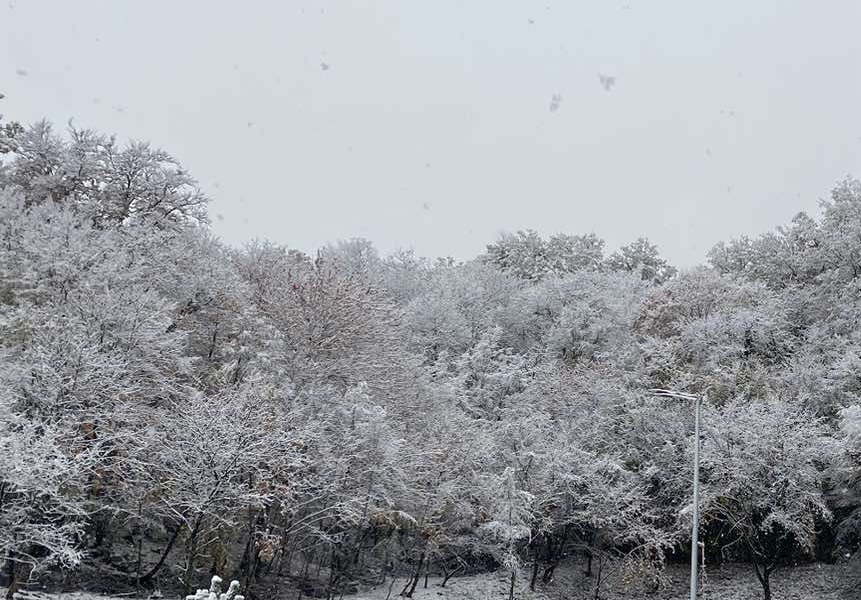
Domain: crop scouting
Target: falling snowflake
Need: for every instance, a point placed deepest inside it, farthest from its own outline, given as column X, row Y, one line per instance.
column 607, row 81
column 555, row 101
column 21, row 72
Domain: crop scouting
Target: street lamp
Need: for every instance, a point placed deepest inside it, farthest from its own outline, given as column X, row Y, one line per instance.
column 695, row 527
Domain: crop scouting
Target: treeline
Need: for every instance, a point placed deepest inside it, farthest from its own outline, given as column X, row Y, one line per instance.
column 171, row 407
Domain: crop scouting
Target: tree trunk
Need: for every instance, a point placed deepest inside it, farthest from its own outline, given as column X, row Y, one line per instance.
column 511, row 588
column 14, row 586
column 191, row 555
column 598, row 576
column 333, row 577
column 12, row 571
column 555, row 555
column 764, row 576
column 10, row 567
column 415, row 580
column 449, row 574
column 152, row 572
column 138, row 565
column 19, row 575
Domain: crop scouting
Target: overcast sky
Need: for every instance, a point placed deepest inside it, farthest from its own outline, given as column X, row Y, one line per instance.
column 436, row 124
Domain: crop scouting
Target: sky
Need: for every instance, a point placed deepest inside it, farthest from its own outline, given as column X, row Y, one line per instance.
column 438, row 124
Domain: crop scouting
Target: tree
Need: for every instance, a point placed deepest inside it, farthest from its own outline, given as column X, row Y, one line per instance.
column 334, row 328
column 790, row 256
column 522, row 254
column 42, row 509
column 763, row 475
column 508, row 520
column 435, row 324
column 616, row 464
column 487, row 376
column 641, row 256
column 841, row 218
column 572, row 253
column 525, row 255
column 112, row 185
column 584, row 316
column 703, row 329
column 846, row 492
column 211, row 457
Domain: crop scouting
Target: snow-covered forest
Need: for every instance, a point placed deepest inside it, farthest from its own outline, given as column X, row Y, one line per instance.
column 172, row 407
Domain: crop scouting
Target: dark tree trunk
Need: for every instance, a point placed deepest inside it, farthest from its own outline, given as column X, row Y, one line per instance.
column 191, row 555
column 152, row 572
column 415, row 579
column 763, row 574
column 555, row 556
column 14, row 583
column 448, row 574
column 598, row 576
column 333, row 574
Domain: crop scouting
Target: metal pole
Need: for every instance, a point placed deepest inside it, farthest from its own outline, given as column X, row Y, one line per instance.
column 695, row 527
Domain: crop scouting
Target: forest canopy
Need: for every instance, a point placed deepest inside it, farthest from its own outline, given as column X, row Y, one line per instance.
column 171, row 406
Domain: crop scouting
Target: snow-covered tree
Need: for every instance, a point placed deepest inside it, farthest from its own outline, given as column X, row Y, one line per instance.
column 210, row 458
column 643, row 258
column 763, row 474
column 846, row 479
column 525, row 255
column 169, row 405
column 43, row 507
column 111, row 184
column 508, row 519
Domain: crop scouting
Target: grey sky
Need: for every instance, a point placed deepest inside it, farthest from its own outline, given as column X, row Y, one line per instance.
column 427, row 124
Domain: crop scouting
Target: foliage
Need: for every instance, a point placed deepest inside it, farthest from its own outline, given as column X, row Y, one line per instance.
column 171, row 406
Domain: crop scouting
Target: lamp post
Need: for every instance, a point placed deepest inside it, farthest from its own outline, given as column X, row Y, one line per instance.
column 695, row 526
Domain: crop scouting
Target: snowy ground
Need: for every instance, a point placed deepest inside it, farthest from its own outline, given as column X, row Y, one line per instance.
column 730, row 582
column 59, row 596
